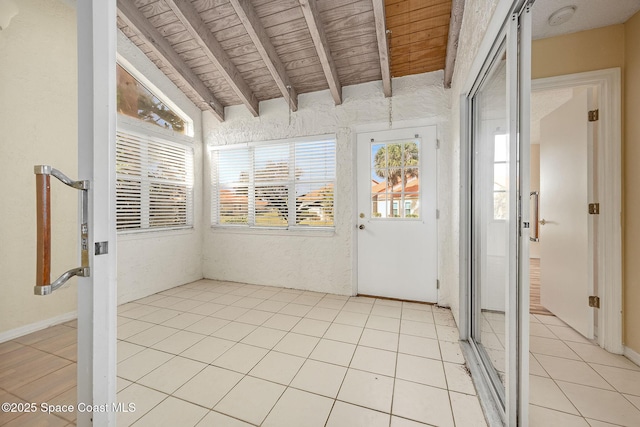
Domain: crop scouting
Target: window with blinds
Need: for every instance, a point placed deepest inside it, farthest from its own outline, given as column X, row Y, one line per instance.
column 154, row 188
column 280, row 185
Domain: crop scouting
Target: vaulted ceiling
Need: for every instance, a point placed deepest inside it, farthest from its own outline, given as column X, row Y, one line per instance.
column 230, row 52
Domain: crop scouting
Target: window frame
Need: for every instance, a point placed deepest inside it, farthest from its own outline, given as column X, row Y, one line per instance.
column 251, row 225
column 189, row 128
column 138, row 128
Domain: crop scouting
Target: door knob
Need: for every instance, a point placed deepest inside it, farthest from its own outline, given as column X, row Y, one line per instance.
column 361, row 226
column 543, row 221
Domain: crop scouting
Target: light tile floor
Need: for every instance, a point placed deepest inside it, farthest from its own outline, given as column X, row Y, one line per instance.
column 223, row 354
column 220, row 354
column 574, row 382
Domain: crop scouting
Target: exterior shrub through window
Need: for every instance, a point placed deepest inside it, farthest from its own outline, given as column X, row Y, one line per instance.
column 281, row 184
column 154, row 187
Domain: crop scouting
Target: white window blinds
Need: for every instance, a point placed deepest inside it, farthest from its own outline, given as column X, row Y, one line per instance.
column 282, row 185
column 154, row 187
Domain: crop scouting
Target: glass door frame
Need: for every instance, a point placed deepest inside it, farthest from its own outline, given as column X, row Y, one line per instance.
column 511, row 28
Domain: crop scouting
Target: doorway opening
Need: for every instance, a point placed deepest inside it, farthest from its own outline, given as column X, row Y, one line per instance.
column 568, row 177
column 575, row 349
column 563, row 245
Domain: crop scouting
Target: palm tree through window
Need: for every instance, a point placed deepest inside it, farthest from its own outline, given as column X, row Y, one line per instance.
column 395, row 179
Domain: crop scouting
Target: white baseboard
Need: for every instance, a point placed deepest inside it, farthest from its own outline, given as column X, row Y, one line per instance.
column 632, row 355
column 33, row 327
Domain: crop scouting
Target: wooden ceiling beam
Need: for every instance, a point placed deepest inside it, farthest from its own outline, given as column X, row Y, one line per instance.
column 135, row 20
column 455, row 23
column 383, row 46
column 311, row 15
column 261, row 40
column 190, row 18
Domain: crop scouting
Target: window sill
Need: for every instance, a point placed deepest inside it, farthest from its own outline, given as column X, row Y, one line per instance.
column 154, row 234
column 312, row 232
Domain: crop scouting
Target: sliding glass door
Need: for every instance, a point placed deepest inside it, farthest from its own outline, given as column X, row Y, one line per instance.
column 490, row 222
column 495, row 234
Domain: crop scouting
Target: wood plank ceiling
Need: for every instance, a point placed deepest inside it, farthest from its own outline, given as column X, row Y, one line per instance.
column 419, row 30
column 230, row 52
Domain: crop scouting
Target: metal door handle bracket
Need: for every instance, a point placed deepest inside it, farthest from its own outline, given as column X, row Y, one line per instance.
column 44, row 286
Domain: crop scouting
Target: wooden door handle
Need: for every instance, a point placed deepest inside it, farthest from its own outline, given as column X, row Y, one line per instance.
column 43, row 229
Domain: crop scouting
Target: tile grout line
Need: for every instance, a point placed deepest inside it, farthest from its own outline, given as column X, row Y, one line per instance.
column 347, row 370
column 395, row 371
column 286, row 386
column 209, row 364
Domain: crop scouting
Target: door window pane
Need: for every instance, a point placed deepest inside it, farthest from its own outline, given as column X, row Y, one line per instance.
column 395, row 180
column 412, row 205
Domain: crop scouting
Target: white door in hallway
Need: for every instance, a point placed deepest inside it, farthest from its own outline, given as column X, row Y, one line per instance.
column 396, row 216
column 565, row 281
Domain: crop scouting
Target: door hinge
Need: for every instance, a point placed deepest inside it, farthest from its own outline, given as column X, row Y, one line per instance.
column 437, row 213
column 594, row 301
column 594, row 115
column 594, row 208
column 437, row 144
column 437, row 283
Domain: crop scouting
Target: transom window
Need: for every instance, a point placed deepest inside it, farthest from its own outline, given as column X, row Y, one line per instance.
column 281, row 184
column 395, row 179
column 135, row 100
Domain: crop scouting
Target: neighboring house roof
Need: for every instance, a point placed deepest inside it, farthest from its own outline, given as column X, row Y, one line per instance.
column 412, row 186
column 229, row 197
column 313, row 197
column 316, row 195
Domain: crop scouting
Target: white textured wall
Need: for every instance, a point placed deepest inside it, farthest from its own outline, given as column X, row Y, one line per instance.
column 38, row 111
column 319, row 262
column 477, row 15
column 151, row 262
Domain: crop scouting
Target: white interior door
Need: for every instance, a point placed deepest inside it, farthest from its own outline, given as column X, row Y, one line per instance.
column 565, row 281
column 397, row 236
